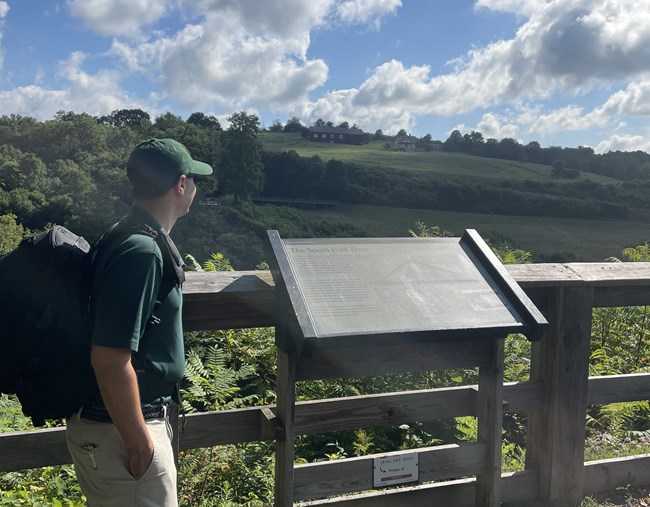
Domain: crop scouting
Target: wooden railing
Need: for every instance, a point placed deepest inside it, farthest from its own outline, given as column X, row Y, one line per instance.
column 555, row 398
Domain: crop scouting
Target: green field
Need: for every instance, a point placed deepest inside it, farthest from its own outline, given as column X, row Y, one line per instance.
column 588, row 240
column 455, row 166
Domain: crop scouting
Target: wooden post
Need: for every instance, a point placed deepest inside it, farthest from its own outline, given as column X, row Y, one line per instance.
column 284, row 448
column 556, row 431
column 490, row 416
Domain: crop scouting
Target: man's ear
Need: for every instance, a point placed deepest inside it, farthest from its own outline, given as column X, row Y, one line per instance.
column 180, row 184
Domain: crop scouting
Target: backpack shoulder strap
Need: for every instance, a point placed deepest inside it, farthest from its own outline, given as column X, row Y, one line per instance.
column 173, row 273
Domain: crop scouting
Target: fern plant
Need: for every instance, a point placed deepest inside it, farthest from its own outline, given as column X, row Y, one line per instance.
column 216, row 262
column 209, row 384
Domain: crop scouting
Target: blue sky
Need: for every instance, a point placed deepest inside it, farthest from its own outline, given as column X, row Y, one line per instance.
column 561, row 72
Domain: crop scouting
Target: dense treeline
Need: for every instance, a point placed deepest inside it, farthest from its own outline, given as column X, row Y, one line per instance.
column 620, row 165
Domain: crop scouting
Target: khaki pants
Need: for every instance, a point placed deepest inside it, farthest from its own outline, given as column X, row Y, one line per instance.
column 101, row 465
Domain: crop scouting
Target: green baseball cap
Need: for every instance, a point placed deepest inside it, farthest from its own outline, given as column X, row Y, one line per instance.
column 164, row 160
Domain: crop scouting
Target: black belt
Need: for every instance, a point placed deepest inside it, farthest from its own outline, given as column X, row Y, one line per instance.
column 101, row 414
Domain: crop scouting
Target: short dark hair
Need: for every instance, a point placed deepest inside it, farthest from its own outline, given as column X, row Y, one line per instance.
column 144, row 187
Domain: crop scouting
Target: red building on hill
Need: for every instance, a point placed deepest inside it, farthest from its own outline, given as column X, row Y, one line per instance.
column 337, row 135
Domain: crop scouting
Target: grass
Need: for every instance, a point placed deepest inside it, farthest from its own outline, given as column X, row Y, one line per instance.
column 454, row 166
column 587, row 240
column 623, row 497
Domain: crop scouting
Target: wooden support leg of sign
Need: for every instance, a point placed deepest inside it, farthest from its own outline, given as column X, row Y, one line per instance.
column 284, row 448
column 490, row 418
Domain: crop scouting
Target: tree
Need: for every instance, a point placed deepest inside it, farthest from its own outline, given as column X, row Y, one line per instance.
column 454, row 142
column 510, row 149
column 319, row 123
column 344, row 125
column 558, row 169
column 202, row 120
column 424, row 143
column 14, row 128
column 27, row 205
column 67, row 178
column 491, row 148
column 293, row 125
column 534, row 152
column 401, row 132
column 16, row 122
column 11, row 233
column 335, row 180
column 83, row 136
column 27, row 172
column 276, row 126
column 242, row 168
column 474, row 143
column 169, row 125
column 126, row 118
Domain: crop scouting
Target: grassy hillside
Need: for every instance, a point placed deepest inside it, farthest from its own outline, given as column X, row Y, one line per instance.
column 581, row 239
column 588, row 240
column 454, row 166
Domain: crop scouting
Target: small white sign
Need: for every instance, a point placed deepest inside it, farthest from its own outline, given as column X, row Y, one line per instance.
column 396, row 469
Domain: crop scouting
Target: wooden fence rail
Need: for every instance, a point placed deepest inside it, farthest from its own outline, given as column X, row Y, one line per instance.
column 555, row 398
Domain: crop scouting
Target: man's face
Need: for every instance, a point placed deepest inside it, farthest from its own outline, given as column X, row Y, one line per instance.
column 188, row 195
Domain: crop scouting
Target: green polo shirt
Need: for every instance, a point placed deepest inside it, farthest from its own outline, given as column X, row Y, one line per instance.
column 127, row 273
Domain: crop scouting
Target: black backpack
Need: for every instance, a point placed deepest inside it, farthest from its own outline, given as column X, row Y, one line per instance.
column 45, row 289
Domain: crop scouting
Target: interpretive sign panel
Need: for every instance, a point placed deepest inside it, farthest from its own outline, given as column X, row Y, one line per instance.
column 363, row 286
column 396, row 469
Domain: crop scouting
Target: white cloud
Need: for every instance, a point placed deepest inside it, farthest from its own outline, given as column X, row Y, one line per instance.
column 274, row 19
column 566, row 47
column 496, row 126
column 520, row 7
column 220, row 64
column 634, row 100
column 586, row 43
column 395, row 94
column 94, row 94
column 339, row 106
column 118, row 17
column 33, row 101
column 366, row 11
column 238, row 53
column 624, row 142
column 564, row 119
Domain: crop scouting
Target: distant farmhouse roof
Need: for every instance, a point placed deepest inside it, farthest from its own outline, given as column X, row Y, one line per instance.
column 336, row 130
column 336, row 135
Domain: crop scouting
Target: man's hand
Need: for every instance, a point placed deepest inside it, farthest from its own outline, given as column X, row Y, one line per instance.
column 140, row 460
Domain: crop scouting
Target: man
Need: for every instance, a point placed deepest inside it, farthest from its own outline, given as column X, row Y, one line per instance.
column 120, row 441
